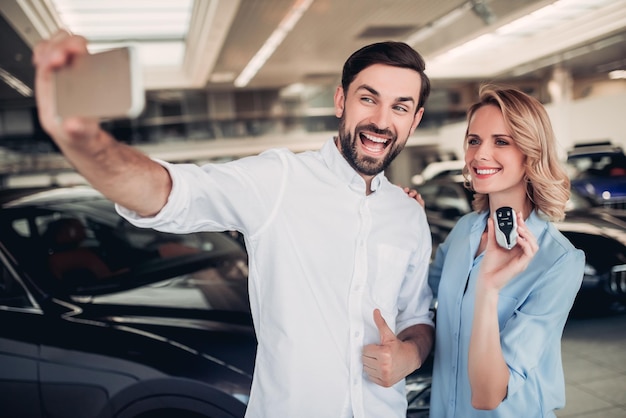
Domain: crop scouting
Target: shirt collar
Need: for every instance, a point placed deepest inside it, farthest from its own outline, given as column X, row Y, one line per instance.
column 338, row 165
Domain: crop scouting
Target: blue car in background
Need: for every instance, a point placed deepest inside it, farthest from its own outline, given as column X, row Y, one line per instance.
column 599, row 173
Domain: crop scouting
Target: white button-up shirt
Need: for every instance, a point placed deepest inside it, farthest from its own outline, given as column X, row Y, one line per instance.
column 322, row 256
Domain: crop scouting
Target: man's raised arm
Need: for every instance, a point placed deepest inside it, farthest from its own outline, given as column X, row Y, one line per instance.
column 122, row 173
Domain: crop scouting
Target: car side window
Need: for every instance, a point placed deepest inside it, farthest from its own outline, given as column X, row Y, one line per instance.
column 12, row 294
column 21, row 227
column 448, row 198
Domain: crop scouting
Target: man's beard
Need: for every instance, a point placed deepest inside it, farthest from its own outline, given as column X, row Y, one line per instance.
column 366, row 165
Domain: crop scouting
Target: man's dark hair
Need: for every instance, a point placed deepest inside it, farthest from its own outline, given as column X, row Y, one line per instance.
column 396, row 54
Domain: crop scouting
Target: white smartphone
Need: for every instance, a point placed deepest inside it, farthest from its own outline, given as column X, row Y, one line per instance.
column 105, row 85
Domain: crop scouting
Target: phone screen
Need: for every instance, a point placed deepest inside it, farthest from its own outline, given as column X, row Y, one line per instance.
column 104, row 85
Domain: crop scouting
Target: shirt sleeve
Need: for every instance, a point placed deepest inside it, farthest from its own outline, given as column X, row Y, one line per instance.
column 537, row 325
column 239, row 195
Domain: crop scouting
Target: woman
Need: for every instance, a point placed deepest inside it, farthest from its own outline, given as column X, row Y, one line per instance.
column 501, row 312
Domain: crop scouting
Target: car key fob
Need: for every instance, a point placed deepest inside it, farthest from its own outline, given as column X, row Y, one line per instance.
column 506, row 227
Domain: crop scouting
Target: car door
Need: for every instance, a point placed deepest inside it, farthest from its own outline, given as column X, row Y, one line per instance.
column 19, row 391
column 45, row 371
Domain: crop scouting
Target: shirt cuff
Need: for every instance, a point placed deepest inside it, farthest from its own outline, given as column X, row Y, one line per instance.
column 171, row 206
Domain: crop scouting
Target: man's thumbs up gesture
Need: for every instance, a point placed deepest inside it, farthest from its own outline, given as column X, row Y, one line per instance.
column 396, row 356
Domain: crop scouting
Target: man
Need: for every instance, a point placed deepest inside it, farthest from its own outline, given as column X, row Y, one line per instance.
column 333, row 246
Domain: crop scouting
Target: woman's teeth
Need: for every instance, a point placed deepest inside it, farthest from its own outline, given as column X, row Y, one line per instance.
column 487, row 171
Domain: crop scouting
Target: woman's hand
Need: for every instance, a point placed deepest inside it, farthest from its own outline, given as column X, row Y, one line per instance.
column 414, row 194
column 500, row 265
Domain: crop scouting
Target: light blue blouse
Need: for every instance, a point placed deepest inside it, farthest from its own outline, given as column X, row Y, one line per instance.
column 532, row 311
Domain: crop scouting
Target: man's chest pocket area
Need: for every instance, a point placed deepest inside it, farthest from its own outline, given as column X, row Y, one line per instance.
column 391, row 266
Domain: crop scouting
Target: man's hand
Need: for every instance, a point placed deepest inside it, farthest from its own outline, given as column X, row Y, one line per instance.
column 49, row 56
column 122, row 173
column 393, row 359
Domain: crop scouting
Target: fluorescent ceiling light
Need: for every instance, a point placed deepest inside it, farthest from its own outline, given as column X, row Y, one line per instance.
column 617, row 74
column 275, row 39
column 529, row 25
column 151, row 54
column 445, row 20
column 157, row 28
column 15, row 83
column 483, row 56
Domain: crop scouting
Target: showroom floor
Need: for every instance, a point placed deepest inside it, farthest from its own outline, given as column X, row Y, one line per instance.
column 594, row 357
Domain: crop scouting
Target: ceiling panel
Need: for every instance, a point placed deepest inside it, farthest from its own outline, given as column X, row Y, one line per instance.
column 331, row 30
column 224, row 35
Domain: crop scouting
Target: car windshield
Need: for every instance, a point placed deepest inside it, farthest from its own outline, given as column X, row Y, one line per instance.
column 601, row 164
column 83, row 249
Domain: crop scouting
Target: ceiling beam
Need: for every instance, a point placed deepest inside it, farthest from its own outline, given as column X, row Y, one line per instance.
column 33, row 20
column 210, row 23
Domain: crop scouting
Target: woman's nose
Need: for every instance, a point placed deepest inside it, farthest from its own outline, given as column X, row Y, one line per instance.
column 483, row 152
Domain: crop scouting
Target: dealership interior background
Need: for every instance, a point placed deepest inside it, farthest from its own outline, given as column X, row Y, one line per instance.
column 230, row 78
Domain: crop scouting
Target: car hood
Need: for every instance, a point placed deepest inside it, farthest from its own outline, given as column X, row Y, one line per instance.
column 596, row 223
column 602, row 238
column 221, row 337
column 204, row 318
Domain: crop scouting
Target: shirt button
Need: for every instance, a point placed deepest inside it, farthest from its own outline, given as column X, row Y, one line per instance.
column 357, row 334
column 355, row 382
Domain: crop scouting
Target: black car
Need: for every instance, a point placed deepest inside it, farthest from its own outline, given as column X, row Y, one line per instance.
column 595, row 230
column 103, row 319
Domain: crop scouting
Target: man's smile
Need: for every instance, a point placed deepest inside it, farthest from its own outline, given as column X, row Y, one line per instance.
column 374, row 144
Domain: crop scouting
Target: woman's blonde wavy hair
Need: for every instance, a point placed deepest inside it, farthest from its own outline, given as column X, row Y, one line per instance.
column 548, row 186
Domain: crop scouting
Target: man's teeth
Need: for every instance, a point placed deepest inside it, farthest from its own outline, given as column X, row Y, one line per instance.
column 376, row 139
column 487, row 171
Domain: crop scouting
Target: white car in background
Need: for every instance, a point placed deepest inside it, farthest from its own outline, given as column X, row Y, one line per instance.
column 437, row 169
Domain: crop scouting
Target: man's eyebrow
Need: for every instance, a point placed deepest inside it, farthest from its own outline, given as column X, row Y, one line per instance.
column 377, row 94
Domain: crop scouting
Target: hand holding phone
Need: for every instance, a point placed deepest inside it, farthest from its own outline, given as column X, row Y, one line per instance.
column 505, row 222
column 105, row 85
